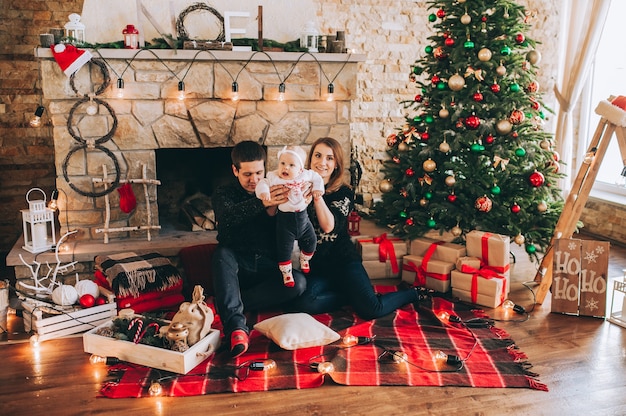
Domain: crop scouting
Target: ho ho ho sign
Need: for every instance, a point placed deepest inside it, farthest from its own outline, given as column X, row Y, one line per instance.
column 580, row 271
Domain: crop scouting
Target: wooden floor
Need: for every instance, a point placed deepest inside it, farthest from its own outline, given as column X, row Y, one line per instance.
column 581, row 359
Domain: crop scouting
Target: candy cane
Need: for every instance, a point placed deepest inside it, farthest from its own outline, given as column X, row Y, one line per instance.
column 143, row 333
column 139, row 323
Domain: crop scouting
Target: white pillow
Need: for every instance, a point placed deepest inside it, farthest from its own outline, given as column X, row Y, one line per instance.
column 296, row 330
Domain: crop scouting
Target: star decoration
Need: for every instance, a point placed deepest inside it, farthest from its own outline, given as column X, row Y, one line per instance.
column 600, row 249
column 592, row 304
column 572, row 246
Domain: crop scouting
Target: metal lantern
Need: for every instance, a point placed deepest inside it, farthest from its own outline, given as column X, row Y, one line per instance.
column 38, row 220
column 131, row 37
column 354, row 223
column 75, row 30
column 309, row 37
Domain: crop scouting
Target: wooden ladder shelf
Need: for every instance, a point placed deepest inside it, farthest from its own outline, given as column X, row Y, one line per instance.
column 613, row 121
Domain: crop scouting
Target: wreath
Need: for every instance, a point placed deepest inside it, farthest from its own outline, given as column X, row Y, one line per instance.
column 180, row 22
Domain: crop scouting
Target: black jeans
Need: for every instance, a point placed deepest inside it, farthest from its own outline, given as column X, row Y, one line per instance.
column 248, row 282
column 294, row 226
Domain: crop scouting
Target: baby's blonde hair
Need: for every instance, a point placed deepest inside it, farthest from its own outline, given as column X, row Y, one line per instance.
column 296, row 151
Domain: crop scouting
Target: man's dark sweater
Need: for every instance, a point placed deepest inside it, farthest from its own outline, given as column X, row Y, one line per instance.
column 242, row 221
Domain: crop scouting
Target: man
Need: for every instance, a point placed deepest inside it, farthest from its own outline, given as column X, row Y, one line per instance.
column 245, row 269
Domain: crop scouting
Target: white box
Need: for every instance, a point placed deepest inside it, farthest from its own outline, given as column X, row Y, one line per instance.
column 155, row 357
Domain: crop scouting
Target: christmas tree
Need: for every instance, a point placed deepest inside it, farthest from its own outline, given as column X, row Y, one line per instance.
column 472, row 153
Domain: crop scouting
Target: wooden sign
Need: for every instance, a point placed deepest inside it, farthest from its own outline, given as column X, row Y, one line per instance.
column 580, row 277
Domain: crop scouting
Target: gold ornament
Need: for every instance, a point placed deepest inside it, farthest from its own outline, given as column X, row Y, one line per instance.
column 385, row 186
column 444, row 113
column 444, row 147
column 403, row 147
column 423, row 202
column 533, row 57
column 429, row 165
column 456, row 82
column 450, row 180
column 504, row 127
column 501, row 70
column 519, row 239
column 542, row 206
column 545, row 144
column 456, row 231
column 484, row 54
column 466, row 19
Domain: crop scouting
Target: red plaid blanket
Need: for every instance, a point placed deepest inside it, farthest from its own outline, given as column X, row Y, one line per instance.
column 414, row 333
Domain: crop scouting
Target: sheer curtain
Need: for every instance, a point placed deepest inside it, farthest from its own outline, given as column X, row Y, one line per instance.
column 582, row 27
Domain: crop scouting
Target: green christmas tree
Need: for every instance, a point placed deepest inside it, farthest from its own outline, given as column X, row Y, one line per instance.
column 472, row 153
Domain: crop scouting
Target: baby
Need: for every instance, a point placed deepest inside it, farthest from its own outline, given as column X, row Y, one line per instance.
column 292, row 219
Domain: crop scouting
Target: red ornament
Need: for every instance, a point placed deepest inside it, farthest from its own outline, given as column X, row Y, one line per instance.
column 484, row 18
column 441, row 13
column 472, row 122
column 517, row 117
column 410, row 172
column 451, row 198
column 409, row 222
column 101, row 300
column 87, row 301
column 536, row 179
column 478, row 97
column 534, row 104
column 519, row 38
column 425, row 136
column 489, row 139
column 483, row 204
column 515, row 208
column 449, row 42
column 495, row 88
column 556, row 156
column 396, row 159
column 418, row 98
column 435, row 79
column 439, row 53
column 514, row 135
column 533, row 87
column 392, row 139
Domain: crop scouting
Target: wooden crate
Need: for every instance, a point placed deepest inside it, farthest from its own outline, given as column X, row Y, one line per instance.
column 155, row 357
column 67, row 322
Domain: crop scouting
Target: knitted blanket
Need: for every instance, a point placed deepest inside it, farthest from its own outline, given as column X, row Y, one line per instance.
column 130, row 274
column 403, row 352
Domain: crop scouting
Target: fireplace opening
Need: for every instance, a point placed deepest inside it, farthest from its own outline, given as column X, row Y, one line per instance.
column 188, row 179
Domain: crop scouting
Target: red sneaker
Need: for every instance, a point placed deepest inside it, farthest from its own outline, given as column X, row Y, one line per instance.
column 238, row 342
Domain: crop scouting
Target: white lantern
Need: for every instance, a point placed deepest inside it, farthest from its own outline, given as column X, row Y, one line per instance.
column 38, row 220
column 75, row 30
column 309, row 37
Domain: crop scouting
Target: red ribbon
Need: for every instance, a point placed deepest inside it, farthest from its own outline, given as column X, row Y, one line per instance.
column 420, row 277
column 486, row 272
column 420, row 271
column 386, row 251
column 484, row 251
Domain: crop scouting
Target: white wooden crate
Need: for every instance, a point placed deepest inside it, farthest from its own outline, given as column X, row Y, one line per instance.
column 67, row 322
column 155, row 357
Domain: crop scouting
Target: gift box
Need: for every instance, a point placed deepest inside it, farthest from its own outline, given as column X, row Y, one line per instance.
column 382, row 255
column 466, row 296
column 473, row 262
column 493, row 249
column 484, row 287
column 379, row 270
column 429, row 273
column 444, row 251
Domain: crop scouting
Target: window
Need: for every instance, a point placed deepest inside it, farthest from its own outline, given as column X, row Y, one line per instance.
column 608, row 77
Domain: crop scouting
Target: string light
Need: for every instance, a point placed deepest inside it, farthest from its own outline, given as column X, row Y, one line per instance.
column 446, row 318
column 281, row 92
column 352, row 340
column 53, row 205
column 323, row 367
column 181, row 90
column 331, row 92
column 120, row 88
column 156, row 389
column 97, row 359
column 441, row 357
column 397, row 357
column 235, row 91
column 35, row 120
column 510, row 305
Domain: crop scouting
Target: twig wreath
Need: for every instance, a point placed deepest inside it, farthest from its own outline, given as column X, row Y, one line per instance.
column 180, row 22
column 114, row 183
column 105, row 76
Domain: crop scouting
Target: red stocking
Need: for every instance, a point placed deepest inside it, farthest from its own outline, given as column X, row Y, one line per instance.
column 127, row 198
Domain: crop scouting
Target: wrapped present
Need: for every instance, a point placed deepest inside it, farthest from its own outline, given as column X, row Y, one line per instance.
column 379, row 270
column 493, row 249
column 444, row 251
column 426, row 272
column 484, row 286
column 466, row 296
column 382, row 248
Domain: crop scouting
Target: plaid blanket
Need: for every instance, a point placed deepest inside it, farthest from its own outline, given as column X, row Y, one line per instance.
column 489, row 358
column 130, row 274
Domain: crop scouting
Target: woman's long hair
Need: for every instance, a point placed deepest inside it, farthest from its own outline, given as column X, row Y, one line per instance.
column 336, row 180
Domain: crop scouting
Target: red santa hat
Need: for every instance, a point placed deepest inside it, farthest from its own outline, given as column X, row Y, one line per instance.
column 69, row 57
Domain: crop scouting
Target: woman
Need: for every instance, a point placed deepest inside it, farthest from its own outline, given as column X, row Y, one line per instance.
column 337, row 274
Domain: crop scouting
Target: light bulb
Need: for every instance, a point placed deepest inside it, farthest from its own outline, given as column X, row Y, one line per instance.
column 350, row 340
column 53, row 205
column 97, row 359
column 92, row 108
column 181, row 90
column 264, row 365
column 399, row 357
column 331, row 92
column 589, row 156
column 281, row 92
column 510, row 305
column 34, row 341
column 155, row 388
column 441, row 357
column 325, row 367
column 446, row 317
column 35, row 120
column 120, row 88
column 235, row 91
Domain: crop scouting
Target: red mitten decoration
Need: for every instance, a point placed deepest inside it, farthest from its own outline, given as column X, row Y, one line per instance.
column 127, row 198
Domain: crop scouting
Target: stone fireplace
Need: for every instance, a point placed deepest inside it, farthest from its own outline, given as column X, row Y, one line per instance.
column 103, row 133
